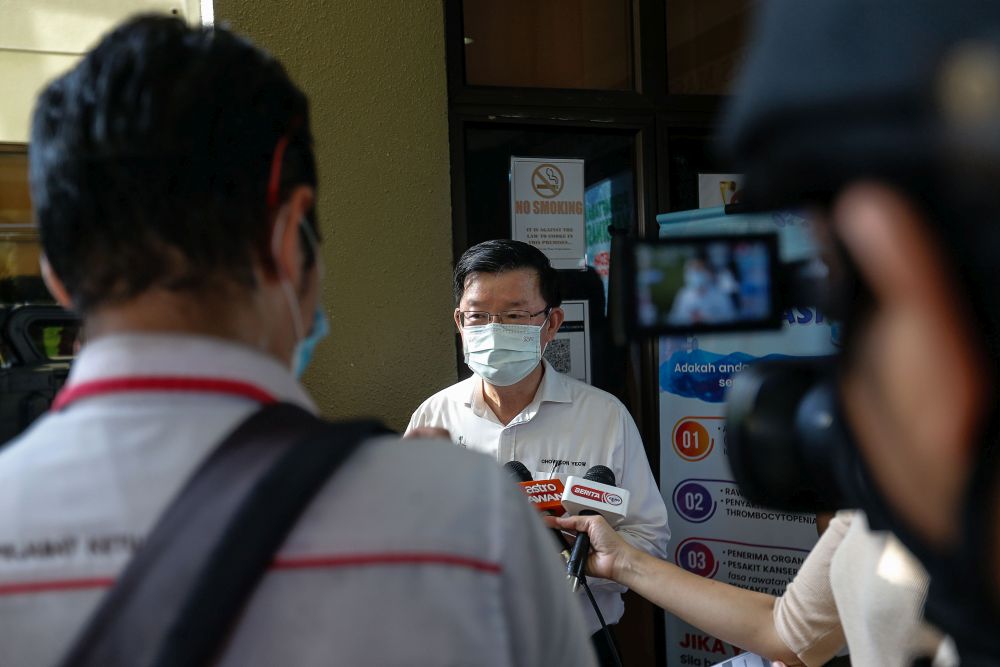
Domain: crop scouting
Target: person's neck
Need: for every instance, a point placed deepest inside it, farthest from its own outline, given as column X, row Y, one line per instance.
column 166, row 312
column 508, row 402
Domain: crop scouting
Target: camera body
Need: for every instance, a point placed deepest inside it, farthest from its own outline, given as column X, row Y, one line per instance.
column 785, row 433
column 37, row 344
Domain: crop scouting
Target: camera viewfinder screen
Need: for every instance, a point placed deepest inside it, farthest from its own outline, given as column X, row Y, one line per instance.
column 706, row 284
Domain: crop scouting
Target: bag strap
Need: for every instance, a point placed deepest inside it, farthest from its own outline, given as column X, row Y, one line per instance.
column 179, row 597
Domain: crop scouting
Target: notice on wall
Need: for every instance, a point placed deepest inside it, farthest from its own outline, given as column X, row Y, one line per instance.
column 716, row 532
column 569, row 351
column 547, row 208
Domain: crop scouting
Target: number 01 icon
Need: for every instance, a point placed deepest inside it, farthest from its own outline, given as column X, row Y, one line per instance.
column 691, row 440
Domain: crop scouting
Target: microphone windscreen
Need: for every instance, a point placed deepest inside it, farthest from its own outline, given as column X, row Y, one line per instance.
column 601, row 474
column 520, row 473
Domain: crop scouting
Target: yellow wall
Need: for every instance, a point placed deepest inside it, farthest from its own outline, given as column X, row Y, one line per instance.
column 374, row 71
column 40, row 39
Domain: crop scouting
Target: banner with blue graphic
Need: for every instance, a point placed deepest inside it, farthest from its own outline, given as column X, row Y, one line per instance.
column 715, row 531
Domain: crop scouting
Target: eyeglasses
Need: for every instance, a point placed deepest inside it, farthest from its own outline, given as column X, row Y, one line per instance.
column 474, row 318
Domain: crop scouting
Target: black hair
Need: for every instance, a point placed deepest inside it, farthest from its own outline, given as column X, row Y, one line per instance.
column 501, row 255
column 150, row 161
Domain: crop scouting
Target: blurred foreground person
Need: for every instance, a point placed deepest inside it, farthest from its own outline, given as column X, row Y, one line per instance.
column 883, row 118
column 174, row 183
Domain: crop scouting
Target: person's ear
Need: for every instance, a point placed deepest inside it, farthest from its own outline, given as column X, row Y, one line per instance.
column 919, row 347
column 55, row 284
column 286, row 249
column 891, row 246
column 458, row 320
column 552, row 324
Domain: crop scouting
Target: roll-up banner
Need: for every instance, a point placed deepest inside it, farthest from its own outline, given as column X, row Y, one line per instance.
column 716, row 532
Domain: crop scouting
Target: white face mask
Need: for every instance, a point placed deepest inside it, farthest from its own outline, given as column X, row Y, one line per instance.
column 697, row 278
column 502, row 354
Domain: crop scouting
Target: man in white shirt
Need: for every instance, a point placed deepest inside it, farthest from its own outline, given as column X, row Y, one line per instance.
column 701, row 300
column 174, row 184
column 518, row 408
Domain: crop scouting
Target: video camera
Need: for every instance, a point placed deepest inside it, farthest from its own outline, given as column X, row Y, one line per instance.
column 37, row 344
column 786, row 447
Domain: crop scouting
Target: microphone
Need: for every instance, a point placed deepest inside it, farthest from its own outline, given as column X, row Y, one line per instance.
column 518, row 471
column 545, row 495
column 596, row 493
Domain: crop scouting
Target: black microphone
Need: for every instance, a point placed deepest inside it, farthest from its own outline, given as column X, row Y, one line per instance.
column 581, row 549
column 518, row 471
column 520, row 474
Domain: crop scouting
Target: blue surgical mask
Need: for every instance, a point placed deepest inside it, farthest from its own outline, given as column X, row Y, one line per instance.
column 697, row 278
column 303, row 352
column 306, row 341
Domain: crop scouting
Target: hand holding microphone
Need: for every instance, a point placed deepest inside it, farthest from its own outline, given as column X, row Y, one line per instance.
column 610, row 555
column 596, row 494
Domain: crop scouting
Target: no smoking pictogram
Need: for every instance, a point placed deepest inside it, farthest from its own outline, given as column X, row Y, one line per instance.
column 547, row 181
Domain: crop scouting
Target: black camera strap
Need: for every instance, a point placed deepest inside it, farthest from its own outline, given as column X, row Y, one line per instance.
column 179, row 598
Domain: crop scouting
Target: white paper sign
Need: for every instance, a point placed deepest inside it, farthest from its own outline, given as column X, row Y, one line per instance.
column 547, row 209
column 569, row 351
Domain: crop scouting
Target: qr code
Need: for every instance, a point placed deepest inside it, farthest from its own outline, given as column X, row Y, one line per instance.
column 557, row 354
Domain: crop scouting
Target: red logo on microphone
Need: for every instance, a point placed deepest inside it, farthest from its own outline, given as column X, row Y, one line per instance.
column 596, row 494
column 545, row 495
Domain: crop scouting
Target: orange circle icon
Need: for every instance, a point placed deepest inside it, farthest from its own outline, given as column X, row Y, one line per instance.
column 547, row 180
column 691, row 440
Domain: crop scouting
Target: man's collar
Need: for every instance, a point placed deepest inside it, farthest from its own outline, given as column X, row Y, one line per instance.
column 178, row 355
column 552, row 389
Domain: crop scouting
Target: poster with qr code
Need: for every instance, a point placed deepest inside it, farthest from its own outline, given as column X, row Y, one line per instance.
column 569, row 351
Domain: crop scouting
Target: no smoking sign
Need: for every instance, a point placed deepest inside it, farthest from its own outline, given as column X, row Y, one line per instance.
column 547, row 209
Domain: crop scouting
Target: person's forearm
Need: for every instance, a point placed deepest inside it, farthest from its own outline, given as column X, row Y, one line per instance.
column 741, row 617
column 644, row 538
